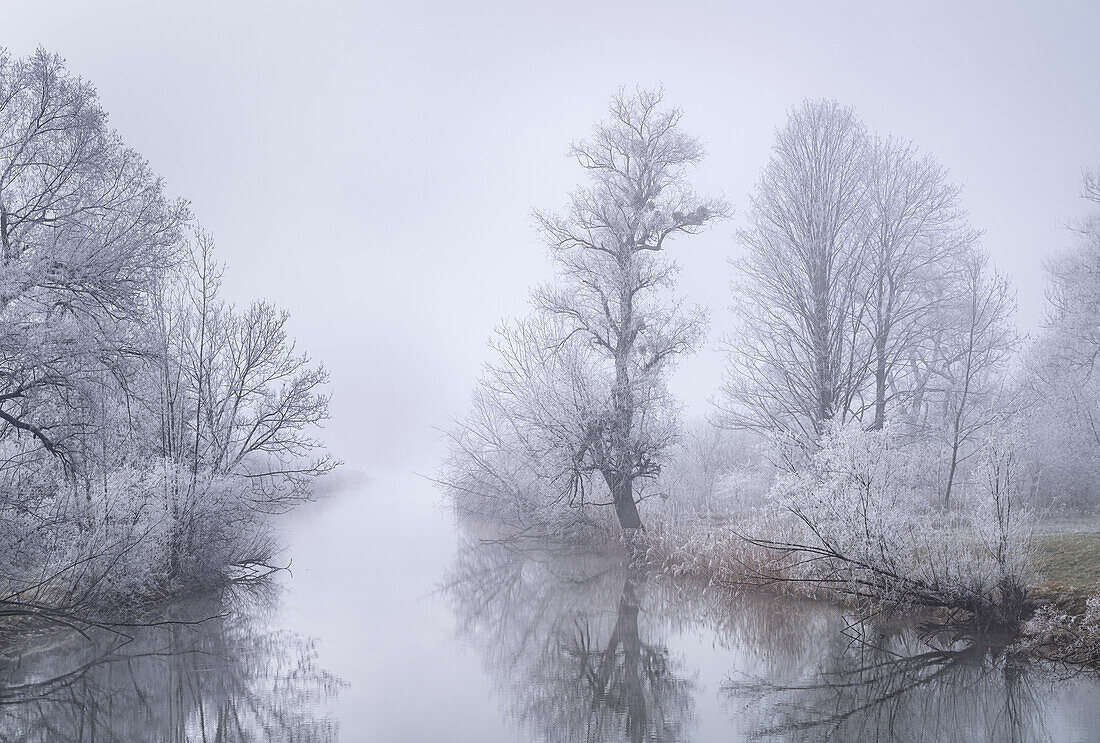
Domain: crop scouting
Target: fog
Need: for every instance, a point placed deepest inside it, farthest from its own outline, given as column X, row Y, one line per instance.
column 372, row 166
column 411, row 427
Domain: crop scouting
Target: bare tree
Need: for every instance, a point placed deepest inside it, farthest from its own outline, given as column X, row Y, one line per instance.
column 863, row 293
column 913, row 227
column 610, row 309
column 799, row 358
column 978, row 343
column 1061, row 380
column 84, row 228
column 144, row 424
column 235, row 396
column 1074, row 294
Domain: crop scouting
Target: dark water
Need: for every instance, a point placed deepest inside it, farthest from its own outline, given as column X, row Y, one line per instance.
column 394, row 628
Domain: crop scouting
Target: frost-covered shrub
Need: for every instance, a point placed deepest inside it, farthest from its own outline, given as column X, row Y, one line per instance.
column 216, row 531
column 864, row 517
column 1056, row 634
column 99, row 546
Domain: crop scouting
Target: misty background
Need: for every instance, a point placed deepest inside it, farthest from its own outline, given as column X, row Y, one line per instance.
column 372, row 167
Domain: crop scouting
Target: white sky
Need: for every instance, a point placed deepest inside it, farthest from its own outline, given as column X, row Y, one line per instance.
column 372, row 167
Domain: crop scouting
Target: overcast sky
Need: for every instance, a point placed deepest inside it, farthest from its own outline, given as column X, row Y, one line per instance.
column 372, row 166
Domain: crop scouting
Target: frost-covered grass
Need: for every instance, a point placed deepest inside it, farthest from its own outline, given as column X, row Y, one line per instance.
column 1066, row 625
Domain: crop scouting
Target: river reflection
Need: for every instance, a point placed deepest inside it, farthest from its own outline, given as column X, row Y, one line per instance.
column 568, row 645
column 224, row 676
column 585, row 647
column 902, row 685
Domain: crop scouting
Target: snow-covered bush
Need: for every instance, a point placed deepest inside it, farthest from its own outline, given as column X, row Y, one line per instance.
column 1065, row 637
column 865, row 517
column 102, row 546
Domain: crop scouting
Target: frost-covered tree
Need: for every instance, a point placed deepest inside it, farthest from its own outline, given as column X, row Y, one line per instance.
column 607, row 328
column 1061, row 380
column 976, row 339
column 1074, row 294
column 229, row 406
column 798, row 357
column 913, row 228
column 862, row 294
column 84, row 229
column 144, row 424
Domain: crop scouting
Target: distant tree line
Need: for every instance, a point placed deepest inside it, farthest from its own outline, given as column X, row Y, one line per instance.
column 1059, row 372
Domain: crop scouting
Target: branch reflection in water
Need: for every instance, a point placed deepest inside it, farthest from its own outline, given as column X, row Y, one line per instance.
column 221, row 674
column 897, row 683
column 582, row 645
column 566, row 639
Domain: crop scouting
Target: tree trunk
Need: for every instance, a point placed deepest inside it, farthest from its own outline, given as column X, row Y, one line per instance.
column 954, row 462
column 957, row 429
column 621, row 480
column 622, row 492
column 821, row 344
column 880, row 379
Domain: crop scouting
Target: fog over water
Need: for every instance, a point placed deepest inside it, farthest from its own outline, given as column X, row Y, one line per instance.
column 395, row 630
column 372, row 168
column 478, row 642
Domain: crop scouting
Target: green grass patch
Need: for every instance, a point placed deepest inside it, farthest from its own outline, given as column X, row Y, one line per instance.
column 1070, row 564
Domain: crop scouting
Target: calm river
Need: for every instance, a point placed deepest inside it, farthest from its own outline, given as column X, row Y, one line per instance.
column 393, row 627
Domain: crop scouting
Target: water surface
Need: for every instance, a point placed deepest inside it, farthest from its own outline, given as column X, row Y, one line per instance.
column 394, row 626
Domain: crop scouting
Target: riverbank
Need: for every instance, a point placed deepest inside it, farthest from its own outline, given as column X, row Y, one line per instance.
column 1066, row 624
column 1070, row 565
column 1061, row 620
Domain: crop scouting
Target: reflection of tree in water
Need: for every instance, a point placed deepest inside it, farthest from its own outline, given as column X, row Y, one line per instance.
column 577, row 645
column 225, row 679
column 901, row 687
column 569, row 644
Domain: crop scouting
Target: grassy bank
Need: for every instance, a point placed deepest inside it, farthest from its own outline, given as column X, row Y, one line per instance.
column 1070, row 565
